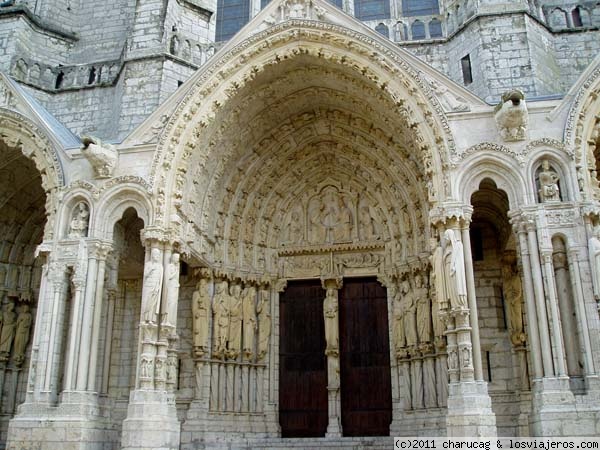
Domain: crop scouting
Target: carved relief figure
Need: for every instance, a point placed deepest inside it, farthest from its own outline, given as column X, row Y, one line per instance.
column 295, row 233
column 249, row 312
column 594, row 249
column 423, row 310
column 330, row 313
column 220, row 319
column 368, row 228
column 201, row 311
column 22, row 334
column 549, row 191
column 78, row 227
column 153, row 279
column 264, row 323
column 408, row 314
column 234, row 341
column 9, row 328
column 172, row 291
column 343, row 231
column 454, row 271
column 513, row 293
column 317, row 231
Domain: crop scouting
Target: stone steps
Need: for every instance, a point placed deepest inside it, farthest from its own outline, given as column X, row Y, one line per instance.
column 353, row 443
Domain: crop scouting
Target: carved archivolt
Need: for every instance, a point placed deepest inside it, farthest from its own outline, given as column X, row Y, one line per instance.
column 19, row 132
column 206, row 124
column 582, row 126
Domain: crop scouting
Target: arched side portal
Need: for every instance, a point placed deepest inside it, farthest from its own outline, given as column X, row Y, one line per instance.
column 309, row 154
column 30, row 175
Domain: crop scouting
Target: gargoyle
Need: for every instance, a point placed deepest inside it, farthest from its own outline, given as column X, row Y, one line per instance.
column 103, row 157
column 512, row 117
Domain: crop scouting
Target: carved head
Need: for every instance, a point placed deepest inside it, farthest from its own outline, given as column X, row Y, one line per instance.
column 175, row 258
column 155, row 255
column 418, row 280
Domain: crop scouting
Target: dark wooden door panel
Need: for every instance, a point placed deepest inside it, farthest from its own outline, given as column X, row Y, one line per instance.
column 364, row 359
column 302, row 361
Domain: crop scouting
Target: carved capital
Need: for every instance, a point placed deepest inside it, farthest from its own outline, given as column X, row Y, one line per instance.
column 332, row 283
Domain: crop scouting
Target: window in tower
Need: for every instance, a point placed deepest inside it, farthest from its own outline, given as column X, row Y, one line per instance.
column 465, row 64
column 232, row 15
column 372, row 9
column 435, row 28
column 576, row 15
column 420, row 7
column 418, row 30
column 383, row 30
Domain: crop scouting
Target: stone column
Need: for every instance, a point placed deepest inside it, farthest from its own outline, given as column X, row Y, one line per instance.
column 331, row 317
column 53, row 348
column 540, row 300
column 532, row 321
column 97, row 316
column 579, row 300
column 469, row 405
column 557, row 339
column 86, row 324
column 472, row 299
column 151, row 414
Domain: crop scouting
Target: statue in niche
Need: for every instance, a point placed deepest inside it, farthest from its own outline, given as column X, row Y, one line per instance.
column 78, row 227
column 24, row 320
column 264, row 323
column 201, row 312
column 234, row 341
column 513, row 293
column 423, row 310
column 594, row 249
column 454, row 271
column 153, row 279
column 295, row 233
column 453, row 359
column 549, row 191
column 220, row 319
column 330, row 313
column 368, row 228
column 9, row 328
column 249, row 313
column 170, row 318
column 408, row 314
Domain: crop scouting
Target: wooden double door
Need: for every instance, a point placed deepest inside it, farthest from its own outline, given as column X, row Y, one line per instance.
column 366, row 406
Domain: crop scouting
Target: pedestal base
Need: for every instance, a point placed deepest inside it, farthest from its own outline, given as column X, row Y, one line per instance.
column 151, row 422
column 79, row 422
column 558, row 412
column 470, row 410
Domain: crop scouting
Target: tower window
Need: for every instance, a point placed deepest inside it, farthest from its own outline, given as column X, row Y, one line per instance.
column 232, row 15
column 420, row 7
column 465, row 64
column 372, row 9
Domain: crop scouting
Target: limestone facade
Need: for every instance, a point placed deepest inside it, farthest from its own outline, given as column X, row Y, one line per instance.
column 150, row 229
